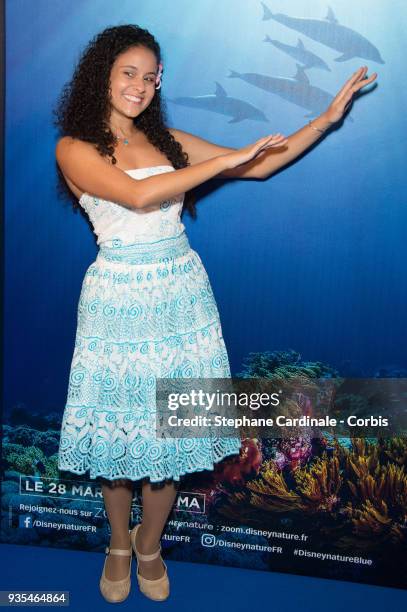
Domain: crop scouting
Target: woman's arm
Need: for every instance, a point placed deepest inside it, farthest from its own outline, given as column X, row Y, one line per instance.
column 89, row 172
column 271, row 161
column 268, row 162
column 263, row 165
column 306, row 136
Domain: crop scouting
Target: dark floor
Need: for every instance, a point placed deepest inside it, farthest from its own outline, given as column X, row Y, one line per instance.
column 194, row 587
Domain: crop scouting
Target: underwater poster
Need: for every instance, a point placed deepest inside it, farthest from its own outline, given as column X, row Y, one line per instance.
column 307, row 267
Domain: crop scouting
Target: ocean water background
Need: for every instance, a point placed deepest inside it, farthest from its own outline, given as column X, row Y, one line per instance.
column 311, row 259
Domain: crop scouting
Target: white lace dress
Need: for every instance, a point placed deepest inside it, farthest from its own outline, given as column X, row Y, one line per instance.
column 146, row 310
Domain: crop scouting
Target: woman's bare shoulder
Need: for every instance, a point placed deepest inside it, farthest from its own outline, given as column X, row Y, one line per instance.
column 68, row 142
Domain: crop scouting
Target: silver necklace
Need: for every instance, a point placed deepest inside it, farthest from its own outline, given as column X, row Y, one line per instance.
column 125, row 139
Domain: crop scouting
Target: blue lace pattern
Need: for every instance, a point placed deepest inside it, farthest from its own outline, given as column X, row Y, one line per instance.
column 144, row 311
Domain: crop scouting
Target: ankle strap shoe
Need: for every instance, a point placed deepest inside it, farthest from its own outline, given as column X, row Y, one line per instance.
column 115, row 591
column 158, row 589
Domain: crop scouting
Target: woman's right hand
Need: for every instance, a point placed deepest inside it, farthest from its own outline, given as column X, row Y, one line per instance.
column 249, row 152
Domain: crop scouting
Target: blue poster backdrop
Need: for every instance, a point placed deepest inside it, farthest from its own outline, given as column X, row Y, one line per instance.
column 307, row 266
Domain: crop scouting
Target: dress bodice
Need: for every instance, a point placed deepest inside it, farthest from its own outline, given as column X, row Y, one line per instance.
column 115, row 224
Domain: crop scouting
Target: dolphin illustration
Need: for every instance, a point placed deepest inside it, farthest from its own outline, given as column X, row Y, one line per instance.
column 330, row 33
column 297, row 89
column 221, row 103
column 300, row 53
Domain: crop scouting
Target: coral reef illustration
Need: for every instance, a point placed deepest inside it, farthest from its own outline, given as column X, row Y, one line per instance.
column 348, row 495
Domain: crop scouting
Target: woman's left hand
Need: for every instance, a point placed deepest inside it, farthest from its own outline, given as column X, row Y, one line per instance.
column 344, row 98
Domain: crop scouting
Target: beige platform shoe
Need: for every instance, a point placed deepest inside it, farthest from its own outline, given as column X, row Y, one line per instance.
column 158, row 589
column 115, row 591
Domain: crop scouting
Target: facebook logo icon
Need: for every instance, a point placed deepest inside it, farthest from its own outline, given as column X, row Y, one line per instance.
column 25, row 521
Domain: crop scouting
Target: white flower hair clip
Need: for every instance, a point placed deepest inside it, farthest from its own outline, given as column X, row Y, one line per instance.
column 158, row 77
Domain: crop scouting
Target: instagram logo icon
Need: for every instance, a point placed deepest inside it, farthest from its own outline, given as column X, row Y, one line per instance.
column 207, row 539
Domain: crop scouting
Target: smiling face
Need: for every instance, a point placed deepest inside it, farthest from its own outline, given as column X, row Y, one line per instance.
column 133, row 81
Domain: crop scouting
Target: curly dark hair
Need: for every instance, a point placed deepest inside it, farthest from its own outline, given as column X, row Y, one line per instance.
column 83, row 108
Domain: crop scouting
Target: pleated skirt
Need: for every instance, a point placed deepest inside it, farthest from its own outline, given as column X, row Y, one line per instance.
column 145, row 310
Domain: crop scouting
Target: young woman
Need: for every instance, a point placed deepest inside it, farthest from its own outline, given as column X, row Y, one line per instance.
column 146, row 307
